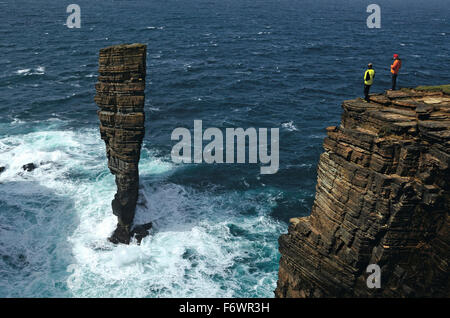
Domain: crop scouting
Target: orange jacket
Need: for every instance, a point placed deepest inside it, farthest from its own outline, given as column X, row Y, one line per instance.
column 395, row 67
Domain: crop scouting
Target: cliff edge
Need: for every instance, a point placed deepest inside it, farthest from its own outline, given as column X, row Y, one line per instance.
column 382, row 197
column 120, row 97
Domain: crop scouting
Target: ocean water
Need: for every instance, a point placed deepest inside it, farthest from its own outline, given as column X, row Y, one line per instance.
column 232, row 63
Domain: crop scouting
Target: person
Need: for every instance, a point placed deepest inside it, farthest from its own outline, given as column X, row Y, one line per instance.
column 369, row 75
column 395, row 67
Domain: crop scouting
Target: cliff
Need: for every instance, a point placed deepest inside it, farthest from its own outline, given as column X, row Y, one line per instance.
column 120, row 97
column 382, row 197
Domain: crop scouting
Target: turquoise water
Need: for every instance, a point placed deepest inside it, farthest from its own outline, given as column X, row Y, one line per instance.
column 284, row 64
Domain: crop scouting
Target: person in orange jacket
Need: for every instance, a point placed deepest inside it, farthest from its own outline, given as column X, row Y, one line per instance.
column 395, row 67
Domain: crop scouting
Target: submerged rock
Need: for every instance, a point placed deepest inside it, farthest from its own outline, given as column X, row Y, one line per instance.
column 122, row 236
column 29, row 167
column 120, row 97
column 141, row 231
column 382, row 197
column 2, row 169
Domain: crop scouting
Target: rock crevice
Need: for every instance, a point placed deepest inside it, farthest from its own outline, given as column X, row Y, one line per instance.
column 382, row 197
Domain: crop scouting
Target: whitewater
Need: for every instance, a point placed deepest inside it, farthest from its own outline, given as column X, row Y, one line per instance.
column 59, row 217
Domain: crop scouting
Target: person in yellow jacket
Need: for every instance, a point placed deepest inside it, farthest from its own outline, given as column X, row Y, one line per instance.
column 395, row 68
column 369, row 75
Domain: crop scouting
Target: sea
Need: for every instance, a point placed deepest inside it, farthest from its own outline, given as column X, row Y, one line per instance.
column 285, row 64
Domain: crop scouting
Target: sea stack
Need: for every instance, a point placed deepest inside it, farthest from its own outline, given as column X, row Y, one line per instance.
column 382, row 197
column 120, row 97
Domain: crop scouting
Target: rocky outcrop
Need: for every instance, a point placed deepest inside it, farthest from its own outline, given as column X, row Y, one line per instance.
column 29, row 167
column 382, row 197
column 120, row 97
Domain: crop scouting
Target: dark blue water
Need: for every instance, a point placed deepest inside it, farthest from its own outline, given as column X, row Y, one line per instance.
column 231, row 63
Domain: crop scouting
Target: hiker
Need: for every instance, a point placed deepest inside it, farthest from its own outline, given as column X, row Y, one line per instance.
column 369, row 75
column 395, row 67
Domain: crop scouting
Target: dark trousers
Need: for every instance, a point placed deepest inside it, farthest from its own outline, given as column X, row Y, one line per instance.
column 366, row 92
column 394, row 81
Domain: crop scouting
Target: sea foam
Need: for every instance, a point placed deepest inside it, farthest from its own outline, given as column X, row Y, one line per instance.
column 57, row 219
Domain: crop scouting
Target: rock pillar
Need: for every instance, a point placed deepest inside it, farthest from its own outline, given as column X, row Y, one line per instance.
column 120, row 97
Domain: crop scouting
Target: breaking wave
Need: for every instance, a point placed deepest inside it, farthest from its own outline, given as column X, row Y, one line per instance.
column 57, row 218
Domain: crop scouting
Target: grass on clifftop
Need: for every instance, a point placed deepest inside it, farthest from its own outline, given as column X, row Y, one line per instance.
column 441, row 88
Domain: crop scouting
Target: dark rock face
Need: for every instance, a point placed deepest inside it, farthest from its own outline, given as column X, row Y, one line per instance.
column 120, row 97
column 2, row 169
column 382, row 197
column 141, row 231
column 29, row 167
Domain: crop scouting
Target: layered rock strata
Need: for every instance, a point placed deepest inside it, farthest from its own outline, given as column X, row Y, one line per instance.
column 120, row 97
column 382, row 197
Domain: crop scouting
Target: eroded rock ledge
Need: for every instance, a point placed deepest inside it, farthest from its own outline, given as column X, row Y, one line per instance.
column 120, row 97
column 382, row 197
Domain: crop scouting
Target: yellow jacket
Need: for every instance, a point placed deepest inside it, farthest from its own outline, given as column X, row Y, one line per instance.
column 369, row 76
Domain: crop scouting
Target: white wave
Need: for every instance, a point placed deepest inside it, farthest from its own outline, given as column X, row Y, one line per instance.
column 201, row 244
column 23, row 71
column 40, row 70
column 318, row 136
column 289, row 126
column 17, row 121
column 191, row 253
column 39, row 207
column 42, row 148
